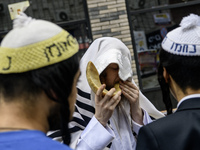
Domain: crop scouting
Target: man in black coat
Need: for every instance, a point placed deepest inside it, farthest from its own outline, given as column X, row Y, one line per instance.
column 179, row 73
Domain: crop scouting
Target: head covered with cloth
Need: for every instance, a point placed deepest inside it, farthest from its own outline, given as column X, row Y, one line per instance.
column 39, row 68
column 105, row 51
column 113, row 62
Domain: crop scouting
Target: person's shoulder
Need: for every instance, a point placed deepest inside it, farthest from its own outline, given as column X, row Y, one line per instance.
column 163, row 122
column 51, row 144
column 30, row 140
column 43, row 142
column 167, row 124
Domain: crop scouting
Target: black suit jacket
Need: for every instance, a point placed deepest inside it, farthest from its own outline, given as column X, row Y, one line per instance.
column 178, row 131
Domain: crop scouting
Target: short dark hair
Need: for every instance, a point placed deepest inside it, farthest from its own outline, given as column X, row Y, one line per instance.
column 183, row 69
column 58, row 78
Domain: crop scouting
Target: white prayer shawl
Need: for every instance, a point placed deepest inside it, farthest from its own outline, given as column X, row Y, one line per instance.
column 102, row 52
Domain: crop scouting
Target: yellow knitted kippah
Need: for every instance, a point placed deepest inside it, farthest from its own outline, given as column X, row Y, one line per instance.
column 37, row 55
column 33, row 44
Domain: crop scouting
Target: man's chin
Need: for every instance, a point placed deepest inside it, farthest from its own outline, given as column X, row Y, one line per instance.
column 109, row 87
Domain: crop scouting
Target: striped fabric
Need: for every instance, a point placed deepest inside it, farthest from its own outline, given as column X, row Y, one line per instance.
column 102, row 52
column 84, row 111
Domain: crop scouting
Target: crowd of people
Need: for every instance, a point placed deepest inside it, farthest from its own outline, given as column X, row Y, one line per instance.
column 47, row 103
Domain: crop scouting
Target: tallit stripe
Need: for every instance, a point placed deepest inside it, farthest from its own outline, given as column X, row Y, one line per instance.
column 79, row 121
column 85, row 106
column 83, row 94
column 82, row 114
column 84, row 100
column 86, row 112
column 75, row 129
column 55, row 134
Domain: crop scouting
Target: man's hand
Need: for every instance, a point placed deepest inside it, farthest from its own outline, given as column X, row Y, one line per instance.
column 104, row 106
column 131, row 92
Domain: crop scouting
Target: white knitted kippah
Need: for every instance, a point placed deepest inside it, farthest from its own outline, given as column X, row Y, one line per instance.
column 184, row 40
column 25, row 31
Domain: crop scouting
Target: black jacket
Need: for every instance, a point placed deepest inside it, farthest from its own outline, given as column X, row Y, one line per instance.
column 178, row 131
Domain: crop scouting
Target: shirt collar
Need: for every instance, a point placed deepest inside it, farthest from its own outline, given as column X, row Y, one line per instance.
column 187, row 97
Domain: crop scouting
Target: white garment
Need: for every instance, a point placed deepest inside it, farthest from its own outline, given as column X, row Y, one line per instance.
column 102, row 52
column 96, row 137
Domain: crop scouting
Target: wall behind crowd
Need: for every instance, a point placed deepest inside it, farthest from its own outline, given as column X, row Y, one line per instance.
column 51, row 10
column 109, row 18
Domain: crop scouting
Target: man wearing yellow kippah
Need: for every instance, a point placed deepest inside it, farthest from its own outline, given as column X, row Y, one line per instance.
column 39, row 69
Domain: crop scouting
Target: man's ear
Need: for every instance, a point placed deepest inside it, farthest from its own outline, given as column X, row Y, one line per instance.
column 166, row 75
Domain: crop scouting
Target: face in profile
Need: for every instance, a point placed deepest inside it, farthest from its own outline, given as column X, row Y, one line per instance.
column 110, row 76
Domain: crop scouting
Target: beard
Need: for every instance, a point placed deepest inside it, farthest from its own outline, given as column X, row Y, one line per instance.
column 54, row 118
column 104, row 80
column 123, row 100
